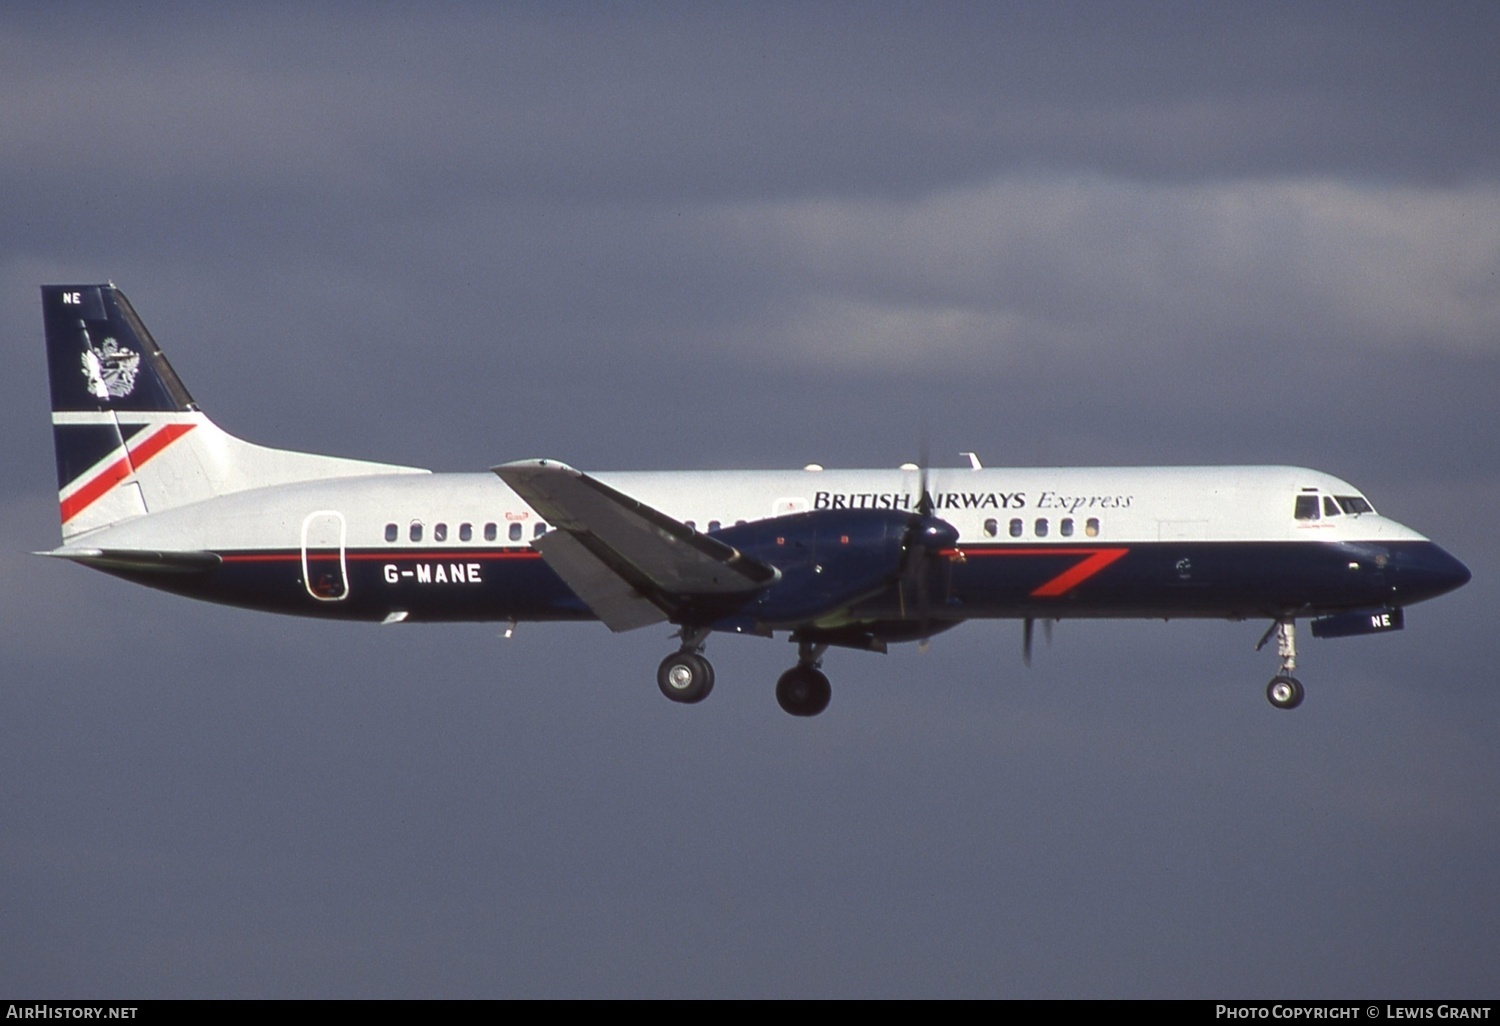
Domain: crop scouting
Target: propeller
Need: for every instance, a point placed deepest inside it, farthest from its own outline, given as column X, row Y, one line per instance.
column 925, row 535
column 1027, row 628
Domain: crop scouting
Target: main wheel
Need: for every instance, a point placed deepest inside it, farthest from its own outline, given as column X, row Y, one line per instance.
column 1284, row 692
column 803, row 691
column 685, row 677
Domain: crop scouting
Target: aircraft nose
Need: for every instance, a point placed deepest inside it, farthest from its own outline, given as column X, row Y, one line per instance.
column 1428, row 571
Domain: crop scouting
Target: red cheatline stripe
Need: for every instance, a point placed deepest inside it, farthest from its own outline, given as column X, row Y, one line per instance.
column 979, row 551
column 119, row 470
column 1076, row 575
column 441, row 554
column 1097, row 560
column 320, row 552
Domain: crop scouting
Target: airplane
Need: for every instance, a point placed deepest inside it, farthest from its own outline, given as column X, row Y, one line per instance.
column 152, row 491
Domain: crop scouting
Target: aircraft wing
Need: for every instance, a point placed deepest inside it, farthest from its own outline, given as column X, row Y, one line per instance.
column 631, row 564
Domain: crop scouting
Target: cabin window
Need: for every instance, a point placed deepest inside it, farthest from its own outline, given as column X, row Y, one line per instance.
column 1307, row 507
column 1016, row 528
column 489, row 532
column 539, row 530
column 1041, row 527
column 991, row 527
column 515, row 532
column 1330, row 508
column 1354, row 504
column 1091, row 527
column 415, row 531
column 392, row 532
column 1067, row 527
column 465, row 532
column 439, row 532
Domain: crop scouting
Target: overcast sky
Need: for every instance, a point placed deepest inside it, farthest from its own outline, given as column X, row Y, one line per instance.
column 758, row 235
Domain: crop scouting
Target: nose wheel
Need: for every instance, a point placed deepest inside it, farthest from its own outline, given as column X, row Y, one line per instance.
column 1284, row 691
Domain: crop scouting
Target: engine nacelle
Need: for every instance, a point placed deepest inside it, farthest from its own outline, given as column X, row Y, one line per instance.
column 830, row 559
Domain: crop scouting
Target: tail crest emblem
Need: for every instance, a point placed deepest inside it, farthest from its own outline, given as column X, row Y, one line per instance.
column 110, row 369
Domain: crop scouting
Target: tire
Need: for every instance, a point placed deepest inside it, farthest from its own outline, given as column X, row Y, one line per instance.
column 803, row 691
column 1284, row 692
column 685, row 677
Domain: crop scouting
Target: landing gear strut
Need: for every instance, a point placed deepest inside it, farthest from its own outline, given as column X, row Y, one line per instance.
column 804, row 690
column 685, row 675
column 1284, row 691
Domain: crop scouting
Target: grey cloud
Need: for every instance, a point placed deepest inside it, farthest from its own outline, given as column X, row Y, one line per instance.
column 677, row 102
column 1120, row 269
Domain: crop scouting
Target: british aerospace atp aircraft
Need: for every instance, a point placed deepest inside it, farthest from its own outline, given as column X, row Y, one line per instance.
column 153, row 491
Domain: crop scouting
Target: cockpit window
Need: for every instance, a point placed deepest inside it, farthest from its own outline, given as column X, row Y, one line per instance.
column 1330, row 508
column 1355, row 504
column 1307, row 507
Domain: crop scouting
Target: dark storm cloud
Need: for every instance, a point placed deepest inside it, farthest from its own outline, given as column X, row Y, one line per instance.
column 678, row 103
column 678, row 236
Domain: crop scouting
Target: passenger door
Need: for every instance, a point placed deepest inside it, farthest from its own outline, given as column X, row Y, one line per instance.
column 325, row 572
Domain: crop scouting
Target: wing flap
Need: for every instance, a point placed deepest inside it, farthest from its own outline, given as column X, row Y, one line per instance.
column 603, row 533
column 613, row 600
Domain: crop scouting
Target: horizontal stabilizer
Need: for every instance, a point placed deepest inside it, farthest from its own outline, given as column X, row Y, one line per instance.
column 139, row 560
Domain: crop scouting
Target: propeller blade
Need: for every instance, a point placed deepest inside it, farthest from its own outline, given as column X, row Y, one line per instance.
column 926, row 536
column 1026, row 632
column 916, row 552
column 924, row 463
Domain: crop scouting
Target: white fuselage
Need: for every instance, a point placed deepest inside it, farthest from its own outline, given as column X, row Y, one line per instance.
column 1059, row 506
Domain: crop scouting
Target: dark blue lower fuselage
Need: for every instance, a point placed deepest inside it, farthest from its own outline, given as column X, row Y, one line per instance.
column 1219, row 580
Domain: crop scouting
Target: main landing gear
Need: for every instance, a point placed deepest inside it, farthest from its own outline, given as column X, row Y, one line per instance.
column 686, row 676
column 1284, row 691
column 804, row 690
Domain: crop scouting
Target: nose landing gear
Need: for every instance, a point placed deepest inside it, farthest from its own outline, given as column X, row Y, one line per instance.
column 1284, row 691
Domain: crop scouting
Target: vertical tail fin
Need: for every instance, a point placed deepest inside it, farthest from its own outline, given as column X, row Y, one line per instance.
column 101, row 358
column 116, row 403
column 129, row 439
